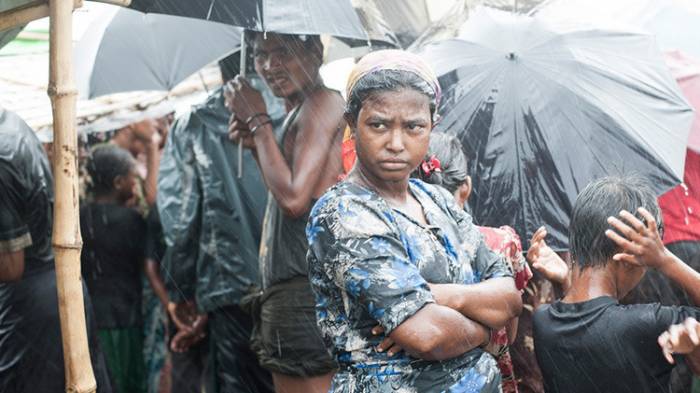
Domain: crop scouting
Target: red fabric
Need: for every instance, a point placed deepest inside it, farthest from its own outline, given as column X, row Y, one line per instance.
column 680, row 207
column 686, row 71
column 348, row 151
column 506, row 242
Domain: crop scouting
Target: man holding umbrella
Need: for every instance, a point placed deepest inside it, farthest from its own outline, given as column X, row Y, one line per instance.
column 298, row 165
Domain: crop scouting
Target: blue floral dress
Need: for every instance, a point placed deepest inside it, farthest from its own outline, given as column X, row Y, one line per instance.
column 370, row 264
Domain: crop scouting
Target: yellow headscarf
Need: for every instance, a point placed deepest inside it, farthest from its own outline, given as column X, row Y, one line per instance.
column 390, row 59
column 393, row 59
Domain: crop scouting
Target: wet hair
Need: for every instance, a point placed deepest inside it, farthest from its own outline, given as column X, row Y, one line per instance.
column 386, row 80
column 453, row 162
column 601, row 199
column 105, row 163
column 298, row 43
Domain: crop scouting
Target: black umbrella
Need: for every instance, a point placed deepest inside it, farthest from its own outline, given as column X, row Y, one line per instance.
column 541, row 113
column 358, row 20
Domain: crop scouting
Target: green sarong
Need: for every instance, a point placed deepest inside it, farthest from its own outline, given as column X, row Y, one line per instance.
column 123, row 350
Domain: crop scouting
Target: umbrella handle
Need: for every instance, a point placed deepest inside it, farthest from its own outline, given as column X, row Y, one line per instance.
column 244, row 58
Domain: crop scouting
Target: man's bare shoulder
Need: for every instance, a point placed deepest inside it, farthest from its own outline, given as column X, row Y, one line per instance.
column 324, row 101
column 322, row 111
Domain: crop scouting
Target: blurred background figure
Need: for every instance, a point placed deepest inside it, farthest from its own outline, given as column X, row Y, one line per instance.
column 112, row 262
column 31, row 355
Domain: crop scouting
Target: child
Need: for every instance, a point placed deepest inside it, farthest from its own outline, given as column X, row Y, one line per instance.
column 587, row 341
column 112, row 261
column 446, row 166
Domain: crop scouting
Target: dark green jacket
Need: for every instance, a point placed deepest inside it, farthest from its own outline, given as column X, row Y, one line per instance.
column 211, row 219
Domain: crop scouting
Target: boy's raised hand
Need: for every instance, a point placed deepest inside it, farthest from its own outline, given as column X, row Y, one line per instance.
column 543, row 259
column 640, row 244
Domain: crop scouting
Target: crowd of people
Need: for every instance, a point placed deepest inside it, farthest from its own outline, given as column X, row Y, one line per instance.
column 344, row 259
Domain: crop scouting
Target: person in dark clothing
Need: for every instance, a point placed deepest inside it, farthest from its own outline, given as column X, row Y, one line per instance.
column 588, row 341
column 112, row 261
column 31, row 354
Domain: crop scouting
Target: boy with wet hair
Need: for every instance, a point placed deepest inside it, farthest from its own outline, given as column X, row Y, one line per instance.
column 587, row 341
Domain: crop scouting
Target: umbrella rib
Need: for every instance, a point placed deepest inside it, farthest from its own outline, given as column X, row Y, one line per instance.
column 211, row 8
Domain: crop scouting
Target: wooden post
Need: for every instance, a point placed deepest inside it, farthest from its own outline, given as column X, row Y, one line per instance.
column 67, row 242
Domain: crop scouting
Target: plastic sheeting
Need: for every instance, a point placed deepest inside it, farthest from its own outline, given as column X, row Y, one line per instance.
column 542, row 113
column 211, row 218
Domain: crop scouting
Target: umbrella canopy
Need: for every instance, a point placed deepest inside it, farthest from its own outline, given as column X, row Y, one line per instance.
column 673, row 22
column 356, row 20
column 542, row 113
column 681, row 205
column 448, row 26
column 126, row 50
column 687, row 74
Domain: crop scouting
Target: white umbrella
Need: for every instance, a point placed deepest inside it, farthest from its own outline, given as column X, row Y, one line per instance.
column 126, row 50
column 673, row 22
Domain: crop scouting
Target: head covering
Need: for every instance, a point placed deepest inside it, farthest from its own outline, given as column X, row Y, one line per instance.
column 394, row 59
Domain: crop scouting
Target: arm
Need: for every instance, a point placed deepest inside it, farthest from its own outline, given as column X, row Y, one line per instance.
column 682, row 275
column 14, row 233
column 360, row 255
column 147, row 132
column 494, row 300
column 11, row 266
column 151, row 183
column 498, row 300
column 641, row 245
column 318, row 121
column 152, row 270
column 437, row 333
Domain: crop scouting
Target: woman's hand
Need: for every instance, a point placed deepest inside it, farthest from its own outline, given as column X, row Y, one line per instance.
column 543, row 259
column 387, row 345
column 242, row 99
column 683, row 338
column 640, row 244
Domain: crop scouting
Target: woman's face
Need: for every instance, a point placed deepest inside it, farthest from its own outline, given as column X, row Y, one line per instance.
column 392, row 133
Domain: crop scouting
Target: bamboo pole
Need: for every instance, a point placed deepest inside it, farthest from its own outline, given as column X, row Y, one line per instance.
column 67, row 242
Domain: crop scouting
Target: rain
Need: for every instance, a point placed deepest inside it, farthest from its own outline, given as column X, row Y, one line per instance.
column 212, row 196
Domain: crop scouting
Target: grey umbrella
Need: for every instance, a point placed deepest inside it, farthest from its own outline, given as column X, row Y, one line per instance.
column 126, row 50
column 357, row 22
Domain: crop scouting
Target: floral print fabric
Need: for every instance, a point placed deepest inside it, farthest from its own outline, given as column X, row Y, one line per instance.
column 505, row 241
column 370, row 264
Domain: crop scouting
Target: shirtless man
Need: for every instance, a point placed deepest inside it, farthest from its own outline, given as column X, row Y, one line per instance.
column 298, row 166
